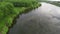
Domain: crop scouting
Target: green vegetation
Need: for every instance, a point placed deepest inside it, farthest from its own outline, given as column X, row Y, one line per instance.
column 57, row 3
column 9, row 9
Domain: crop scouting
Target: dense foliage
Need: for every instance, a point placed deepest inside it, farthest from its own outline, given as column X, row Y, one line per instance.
column 9, row 9
column 6, row 9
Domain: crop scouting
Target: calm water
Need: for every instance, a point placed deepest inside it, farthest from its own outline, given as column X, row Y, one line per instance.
column 43, row 20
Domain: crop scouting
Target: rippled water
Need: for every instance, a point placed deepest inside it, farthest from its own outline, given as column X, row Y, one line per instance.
column 43, row 20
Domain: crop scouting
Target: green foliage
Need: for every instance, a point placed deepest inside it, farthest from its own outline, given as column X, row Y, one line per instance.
column 23, row 3
column 6, row 9
column 5, row 29
column 9, row 9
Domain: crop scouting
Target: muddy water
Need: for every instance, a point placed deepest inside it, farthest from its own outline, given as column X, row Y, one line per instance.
column 43, row 20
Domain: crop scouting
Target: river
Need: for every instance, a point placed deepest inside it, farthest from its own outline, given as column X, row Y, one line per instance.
column 42, row 20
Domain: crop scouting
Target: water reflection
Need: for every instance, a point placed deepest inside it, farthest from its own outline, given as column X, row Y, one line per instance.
column 43, row 20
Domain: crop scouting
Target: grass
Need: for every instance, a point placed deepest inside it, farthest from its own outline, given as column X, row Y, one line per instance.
column 9, row 9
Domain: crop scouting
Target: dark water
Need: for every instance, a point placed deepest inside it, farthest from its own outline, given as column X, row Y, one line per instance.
column 43, row 20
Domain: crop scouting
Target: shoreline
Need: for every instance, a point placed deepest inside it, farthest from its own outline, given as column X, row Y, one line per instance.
column 17, row 16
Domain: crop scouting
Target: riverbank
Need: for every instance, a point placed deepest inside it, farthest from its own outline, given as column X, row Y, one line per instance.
column 8, row 12
column 43, row 20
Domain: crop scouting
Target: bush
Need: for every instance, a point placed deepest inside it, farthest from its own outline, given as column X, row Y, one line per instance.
column 6, row 10
column 23, row 3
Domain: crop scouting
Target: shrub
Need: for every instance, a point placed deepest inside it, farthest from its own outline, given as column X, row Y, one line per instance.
column 6, row 10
